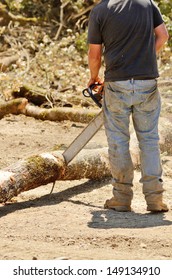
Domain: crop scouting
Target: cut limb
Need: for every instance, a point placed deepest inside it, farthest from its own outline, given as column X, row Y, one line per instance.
column 21, row 106
column 6, row 17
column 45, row 168
column 15, row 106
column 60, row 114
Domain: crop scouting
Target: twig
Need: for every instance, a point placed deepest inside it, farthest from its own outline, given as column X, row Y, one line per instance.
column 61, row 20
column 53, row 187
column 73, row 17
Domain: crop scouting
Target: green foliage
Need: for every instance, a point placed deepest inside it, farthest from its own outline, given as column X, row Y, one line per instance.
column 14, row 4
column 81, row 42
column 78, row 3
column 49, row 10
column 32, row 8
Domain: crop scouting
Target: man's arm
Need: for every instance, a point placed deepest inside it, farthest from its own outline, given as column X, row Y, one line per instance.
column 94, row 63
column 161, row 36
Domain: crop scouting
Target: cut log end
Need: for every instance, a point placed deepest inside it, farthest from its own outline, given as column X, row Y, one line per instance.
column 30, row 173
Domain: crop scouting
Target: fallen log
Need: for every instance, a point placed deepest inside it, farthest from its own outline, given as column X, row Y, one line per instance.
column 45, row 168
column 15, row 106
column 91, row 164
column 21, row 106
column 60, row 114
column 6, row 17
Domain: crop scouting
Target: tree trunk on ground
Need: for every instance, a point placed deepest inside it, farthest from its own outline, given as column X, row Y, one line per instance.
column 6, row 17
column 45, row 168
column 60, row 114
column 92, row 164
column 15, row 106
column 21, row 106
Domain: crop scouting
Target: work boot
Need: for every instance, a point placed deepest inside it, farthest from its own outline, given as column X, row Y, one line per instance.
column 155, row 203
column 116, row 205
column 154, row 197
column 121, row 200
column 161, row 207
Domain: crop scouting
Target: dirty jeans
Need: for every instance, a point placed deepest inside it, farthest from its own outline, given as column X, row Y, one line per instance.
column 140, row 100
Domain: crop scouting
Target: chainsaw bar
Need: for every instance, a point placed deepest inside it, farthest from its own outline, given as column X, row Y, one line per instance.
column 83, row 138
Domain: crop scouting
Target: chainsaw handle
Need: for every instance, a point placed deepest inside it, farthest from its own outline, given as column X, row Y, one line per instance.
column 88, row 92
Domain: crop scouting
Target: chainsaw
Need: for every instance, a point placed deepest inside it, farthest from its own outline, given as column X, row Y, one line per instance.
column 95, row 92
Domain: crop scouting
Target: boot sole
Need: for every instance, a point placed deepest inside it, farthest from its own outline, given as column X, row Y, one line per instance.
column 157, row 210
column 118, row 208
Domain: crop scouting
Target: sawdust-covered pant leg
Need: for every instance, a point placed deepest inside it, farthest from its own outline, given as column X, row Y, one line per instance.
column 139, row 99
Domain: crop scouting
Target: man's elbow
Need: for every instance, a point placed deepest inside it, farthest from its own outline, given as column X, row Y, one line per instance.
column 161, row 33
column 95, row 52
column 163, row 40
column 165, row 37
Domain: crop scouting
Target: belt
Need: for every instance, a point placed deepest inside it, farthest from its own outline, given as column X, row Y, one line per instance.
column 140, row 78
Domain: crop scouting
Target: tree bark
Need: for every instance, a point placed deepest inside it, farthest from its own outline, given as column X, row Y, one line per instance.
column 15, row 106
column 45, row 168
column 92, row 164
column 21, row 106
column 60, row 114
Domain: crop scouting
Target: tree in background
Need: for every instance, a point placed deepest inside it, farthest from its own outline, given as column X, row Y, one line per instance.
column 76, row 11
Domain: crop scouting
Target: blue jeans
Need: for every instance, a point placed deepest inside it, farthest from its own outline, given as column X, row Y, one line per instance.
column 140, row 100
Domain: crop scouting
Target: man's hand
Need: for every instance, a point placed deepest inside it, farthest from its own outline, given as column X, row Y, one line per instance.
column 95, row 81
column 99, row 89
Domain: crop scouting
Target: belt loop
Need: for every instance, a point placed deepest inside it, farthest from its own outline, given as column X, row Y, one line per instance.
column 132, row 81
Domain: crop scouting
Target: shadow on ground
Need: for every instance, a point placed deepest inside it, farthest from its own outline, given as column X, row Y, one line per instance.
column 106, row 219
column 101, row 218
column 54, row 198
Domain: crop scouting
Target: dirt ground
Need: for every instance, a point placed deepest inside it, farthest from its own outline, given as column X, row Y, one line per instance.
column 71, row 223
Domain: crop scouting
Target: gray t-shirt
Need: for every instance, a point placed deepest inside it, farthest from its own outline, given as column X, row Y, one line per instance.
column 126, row 29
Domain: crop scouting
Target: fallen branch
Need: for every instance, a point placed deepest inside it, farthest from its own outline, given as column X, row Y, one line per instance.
column 15, row 106
column 21, row 19
column 61, row 20
column 45, row 168
column 60, row 114
column 21, row 106
column 30, row 173
column 6, row 17
column 85, row 11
